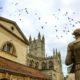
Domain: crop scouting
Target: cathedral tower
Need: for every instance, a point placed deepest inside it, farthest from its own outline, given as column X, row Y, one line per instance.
column 58, row 74
column 37, row 46
column 30, row 45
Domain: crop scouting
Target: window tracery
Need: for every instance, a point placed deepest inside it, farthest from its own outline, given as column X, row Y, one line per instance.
column 9, row 48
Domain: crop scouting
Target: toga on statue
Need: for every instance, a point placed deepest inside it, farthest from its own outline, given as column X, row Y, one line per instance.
column 73, row 54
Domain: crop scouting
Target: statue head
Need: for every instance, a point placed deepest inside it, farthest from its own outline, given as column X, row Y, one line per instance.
column 76, row 33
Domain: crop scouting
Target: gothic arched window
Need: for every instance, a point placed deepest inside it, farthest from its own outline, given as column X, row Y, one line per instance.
column 44, row 65
column 9, row 48
column 31, row 63
column 50, row 65
column 36, row 65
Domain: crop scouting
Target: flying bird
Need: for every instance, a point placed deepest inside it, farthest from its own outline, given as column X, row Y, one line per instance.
column 74, row 13
column 55, row 26
column 19, row 10
column 73, row 25
column 68, row 31
column 19, row 14
column 66, row 14
column 12, row 3
column 20, row 19
column 45, row 22
column 78, row 21
column 65, row 27
column 72, row 19
column 63, row 30
column 59, row 9
column 57, row 37
column 26, row 10
column 1, row 7
column 39, row 18
column 56, row 30
column 68, row 18
column 35, row 13
column 16, row 4
column 42, row 27
column 61, row 36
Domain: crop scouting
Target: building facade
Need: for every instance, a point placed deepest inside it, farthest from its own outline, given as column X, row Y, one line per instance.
column 13, row 54
column 37, row 59
column 21, row 59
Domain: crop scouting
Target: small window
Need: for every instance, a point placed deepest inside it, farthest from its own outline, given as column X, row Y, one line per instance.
column 31, row 63
column 12, row 28
column 44, row 66
column 9, row 48
column 50, row 65
column 36, row 65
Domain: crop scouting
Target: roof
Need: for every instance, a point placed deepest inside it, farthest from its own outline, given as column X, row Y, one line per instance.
column 17, row 27
column 17, row 68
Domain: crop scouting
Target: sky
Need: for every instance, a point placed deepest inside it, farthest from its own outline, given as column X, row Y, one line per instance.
column 55, row 19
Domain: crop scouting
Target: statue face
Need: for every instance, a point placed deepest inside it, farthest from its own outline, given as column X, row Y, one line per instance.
column 77, row 37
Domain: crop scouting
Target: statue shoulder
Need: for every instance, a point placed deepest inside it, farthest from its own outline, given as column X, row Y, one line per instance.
column 72, row 44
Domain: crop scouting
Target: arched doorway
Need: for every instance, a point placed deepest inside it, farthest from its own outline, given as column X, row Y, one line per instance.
column 36, row 65
column 31, row 63
column 50, row 65
column 43, row 66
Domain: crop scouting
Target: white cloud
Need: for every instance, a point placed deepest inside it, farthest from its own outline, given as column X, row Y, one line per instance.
column 67, row 2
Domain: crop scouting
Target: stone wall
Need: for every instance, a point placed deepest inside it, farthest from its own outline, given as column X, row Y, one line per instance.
column 15, row 77
column 21, row 48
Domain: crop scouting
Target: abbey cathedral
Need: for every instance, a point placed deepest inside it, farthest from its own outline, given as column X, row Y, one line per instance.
column 36, row 58
column 23, row 59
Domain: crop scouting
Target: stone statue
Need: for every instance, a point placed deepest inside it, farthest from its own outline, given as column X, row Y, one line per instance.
column 73, row 54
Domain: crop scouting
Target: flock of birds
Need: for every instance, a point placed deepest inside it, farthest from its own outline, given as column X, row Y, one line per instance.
column 69, row 21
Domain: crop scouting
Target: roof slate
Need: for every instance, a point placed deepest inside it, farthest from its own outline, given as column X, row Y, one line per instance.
column 14, row 67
